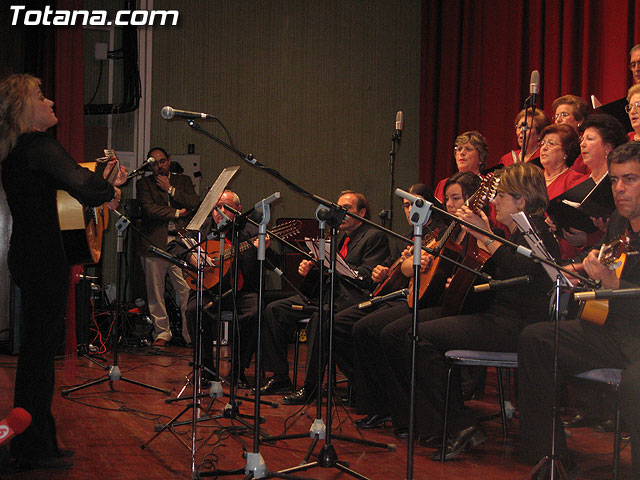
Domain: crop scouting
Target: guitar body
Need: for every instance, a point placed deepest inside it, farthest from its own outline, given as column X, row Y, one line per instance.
column 434, row 278
column 211, row 274
column 596, row 311
column 395, row 280
column 456, row 295
column 81, row 227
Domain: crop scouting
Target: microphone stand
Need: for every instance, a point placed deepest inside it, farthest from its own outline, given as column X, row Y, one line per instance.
column 387, row 215
column 114, row 370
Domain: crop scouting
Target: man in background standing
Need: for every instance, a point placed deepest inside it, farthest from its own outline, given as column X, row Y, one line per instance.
column 166, row 200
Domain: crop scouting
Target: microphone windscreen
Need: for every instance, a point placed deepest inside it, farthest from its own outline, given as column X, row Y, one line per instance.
column 19, row 419
column 167, row 112
column 399, row 120
column 534, row 85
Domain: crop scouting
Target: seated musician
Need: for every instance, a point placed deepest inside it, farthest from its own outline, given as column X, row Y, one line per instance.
column 246, row 297
column 584, row 345
column 521, row 189
column 345, row 319
column 377, row 392
column 362, row 247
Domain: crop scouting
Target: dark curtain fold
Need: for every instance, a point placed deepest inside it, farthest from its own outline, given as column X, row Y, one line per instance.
column 477, row 57
column 69, row 81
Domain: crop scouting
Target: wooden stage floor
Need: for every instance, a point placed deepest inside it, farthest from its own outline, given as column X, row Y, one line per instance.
column 107, row 428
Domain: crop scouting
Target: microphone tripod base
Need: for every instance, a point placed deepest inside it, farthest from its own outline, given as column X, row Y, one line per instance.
column 328, row 457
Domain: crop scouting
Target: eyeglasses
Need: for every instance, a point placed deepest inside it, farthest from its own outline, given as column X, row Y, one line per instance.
column 561, row 114
column 634, row 65
column 631, row 106
column 407, row 205
column 549, row 143
column 521, row 125
column 463, row 148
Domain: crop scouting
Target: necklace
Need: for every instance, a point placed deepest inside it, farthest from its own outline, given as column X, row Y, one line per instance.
column 550, row 180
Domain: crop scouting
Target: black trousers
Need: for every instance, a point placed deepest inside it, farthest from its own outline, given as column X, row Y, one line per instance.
column 44, row 297
column 435, row 337
column 376, row 386
column 246, row 329
column 582, row 346
column 280, row 321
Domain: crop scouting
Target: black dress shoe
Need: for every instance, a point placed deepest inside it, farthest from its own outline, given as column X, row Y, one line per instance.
column 43, row 463
column 64, row 453
column 373, row 421
column 460, row 441
column 401, row 432
column 275, row 385
column 580, row 419
column 302, row 396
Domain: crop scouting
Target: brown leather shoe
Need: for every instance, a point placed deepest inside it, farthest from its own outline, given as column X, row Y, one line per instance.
column 160, row 342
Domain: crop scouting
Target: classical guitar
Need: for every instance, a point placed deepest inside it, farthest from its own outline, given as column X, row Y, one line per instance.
column 433, row 279
column 612, row 255
column 395, row 279
column 212, row 259
column 456, row 294
column 82, row 227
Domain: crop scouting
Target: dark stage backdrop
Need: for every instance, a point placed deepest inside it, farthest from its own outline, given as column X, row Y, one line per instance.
column 477, row 57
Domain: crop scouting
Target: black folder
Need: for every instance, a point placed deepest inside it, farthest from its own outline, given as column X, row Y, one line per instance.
column 574, row 207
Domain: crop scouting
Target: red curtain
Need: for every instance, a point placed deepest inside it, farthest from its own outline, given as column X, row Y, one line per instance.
column 69, row 99
column 69, row 95
column 477, row 57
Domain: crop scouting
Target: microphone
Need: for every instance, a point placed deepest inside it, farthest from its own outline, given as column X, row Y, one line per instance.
column 383, row 298
column 16, row 422
column 144, row 165
column 225, row 219
column 169, row 112
column 500, row 284
column 171, row 259
column 399, row 124
column 419, row 202
column 606, row 293
column 534, row 87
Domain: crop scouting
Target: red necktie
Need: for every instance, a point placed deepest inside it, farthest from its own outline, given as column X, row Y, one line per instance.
column 344, row 249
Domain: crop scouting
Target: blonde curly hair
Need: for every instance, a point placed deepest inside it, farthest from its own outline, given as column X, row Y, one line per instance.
column 16, row 109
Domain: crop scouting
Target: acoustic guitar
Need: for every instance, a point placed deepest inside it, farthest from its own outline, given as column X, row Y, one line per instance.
column 612, row 255
column 395, row 279
column 433, row 279
column 456, row 294
column 82, row 227
column 212, row 259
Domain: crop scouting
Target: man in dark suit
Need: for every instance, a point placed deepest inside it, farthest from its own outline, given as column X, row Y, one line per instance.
column 362, row 247
column 583, row 345
column 166, row 199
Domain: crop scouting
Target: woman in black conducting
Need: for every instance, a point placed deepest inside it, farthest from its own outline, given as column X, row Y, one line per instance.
column 34, row 167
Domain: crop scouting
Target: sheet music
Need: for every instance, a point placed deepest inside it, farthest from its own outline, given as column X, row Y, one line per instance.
column 536, row 244
column 341, row 266
column 212, row 198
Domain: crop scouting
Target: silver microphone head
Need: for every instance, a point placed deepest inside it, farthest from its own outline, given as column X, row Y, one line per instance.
column 167, row 112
